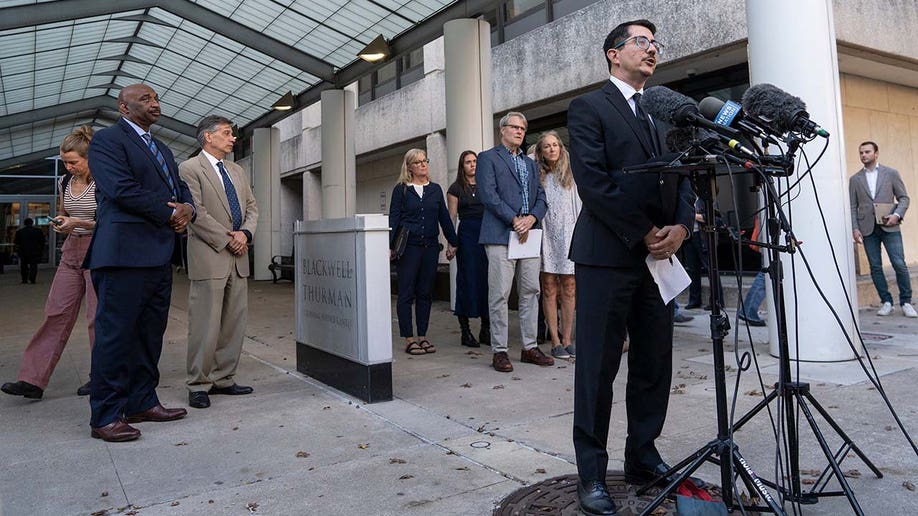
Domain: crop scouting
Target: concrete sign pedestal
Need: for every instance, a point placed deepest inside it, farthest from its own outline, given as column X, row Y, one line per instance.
column 343, row 304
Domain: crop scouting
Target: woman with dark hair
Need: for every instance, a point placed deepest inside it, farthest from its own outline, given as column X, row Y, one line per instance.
column 472, row 271
column 418, row 206
column 557, row 231
column 76, row 220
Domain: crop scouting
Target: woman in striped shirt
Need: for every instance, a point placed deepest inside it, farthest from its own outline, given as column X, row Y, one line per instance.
column 76, row 219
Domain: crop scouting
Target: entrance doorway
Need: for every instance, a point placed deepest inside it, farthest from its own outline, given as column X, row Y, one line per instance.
column 13, row 212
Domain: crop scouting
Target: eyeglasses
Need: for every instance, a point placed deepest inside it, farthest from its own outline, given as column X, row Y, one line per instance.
column 643, row 43
column 419, row 162
column 516, row 127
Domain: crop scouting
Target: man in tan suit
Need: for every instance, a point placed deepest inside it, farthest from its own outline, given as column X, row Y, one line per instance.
column 218, row 263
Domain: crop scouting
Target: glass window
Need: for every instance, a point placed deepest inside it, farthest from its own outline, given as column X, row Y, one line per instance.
column 560, row 8
column 386, row 73
column 413, row 59
column 515, row 8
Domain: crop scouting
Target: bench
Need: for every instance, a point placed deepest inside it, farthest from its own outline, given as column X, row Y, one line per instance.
column 283, row 267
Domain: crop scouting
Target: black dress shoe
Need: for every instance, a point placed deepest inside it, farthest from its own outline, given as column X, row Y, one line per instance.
column 83, row 390
column 24, row 389
column 232, row 390
column 636, row 473
column 595, row 499
column 199, row 399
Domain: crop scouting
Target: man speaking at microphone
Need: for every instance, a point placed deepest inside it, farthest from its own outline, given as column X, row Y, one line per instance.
column 625, row 217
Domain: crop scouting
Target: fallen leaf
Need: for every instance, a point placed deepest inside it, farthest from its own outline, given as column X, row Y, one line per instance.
column 103, row 512
column 889, row 428
column 183, row 443
column 497, row 387
column 540, row 471
column 755, row 392
column 363, row 446
column 235, row 428
column 811, row 472
column 104, row 494
column 444, row 375
column 405, row 477
column 252, row 506
column 210, row 501
column 174, row 504
column 908, row 485
column 808, row 481
column 462, row 468
column 302, row 454
column 326, row 407
column 397, row 461
column 516, row 378
column 853, row 473
column 466, row 385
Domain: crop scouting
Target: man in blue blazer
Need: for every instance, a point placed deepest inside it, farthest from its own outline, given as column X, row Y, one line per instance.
column 143, row 205
column 514, row 201
column 625, row 217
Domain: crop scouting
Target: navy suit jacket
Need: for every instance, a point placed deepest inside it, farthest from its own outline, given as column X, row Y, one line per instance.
column 619, row 208
column 132, row 218
column 500, row 190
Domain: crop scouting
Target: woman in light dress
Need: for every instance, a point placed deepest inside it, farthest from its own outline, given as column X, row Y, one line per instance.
column 557, row 230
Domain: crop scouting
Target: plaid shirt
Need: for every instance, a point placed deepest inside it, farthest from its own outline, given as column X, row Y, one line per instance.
column 523, row 172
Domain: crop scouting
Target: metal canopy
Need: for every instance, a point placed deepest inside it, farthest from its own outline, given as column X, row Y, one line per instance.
column 63, row 62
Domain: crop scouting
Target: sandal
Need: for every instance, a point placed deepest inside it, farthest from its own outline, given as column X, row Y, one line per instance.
column 414, row 348
column 427, row 346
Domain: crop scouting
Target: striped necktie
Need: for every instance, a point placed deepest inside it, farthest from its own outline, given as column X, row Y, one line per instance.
column 162, row 162
column 231, row 197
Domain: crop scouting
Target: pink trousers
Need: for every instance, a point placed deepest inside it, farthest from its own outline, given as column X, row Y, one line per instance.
column 62, row 308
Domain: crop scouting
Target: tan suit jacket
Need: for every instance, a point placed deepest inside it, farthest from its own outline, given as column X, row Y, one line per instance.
column 218, row 295
column 208, row 257
column 890, row 189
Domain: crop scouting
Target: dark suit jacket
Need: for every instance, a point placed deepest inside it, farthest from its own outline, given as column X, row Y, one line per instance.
column 618, row 208
column 890, row 189
column 132, row 219
column 30, row 243
column 499, row 188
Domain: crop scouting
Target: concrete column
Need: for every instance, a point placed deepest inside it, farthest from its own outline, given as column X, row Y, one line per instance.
column 339, row 168
column 312, row 196
column 803, row 61
column 436, row 153
column 266, row 184
column 469, row 116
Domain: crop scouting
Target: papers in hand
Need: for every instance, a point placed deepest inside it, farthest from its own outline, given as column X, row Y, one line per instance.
column 531, row 249
column 669, row 275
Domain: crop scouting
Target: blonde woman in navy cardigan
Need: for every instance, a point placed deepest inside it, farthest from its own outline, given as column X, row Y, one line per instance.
column 418, row 204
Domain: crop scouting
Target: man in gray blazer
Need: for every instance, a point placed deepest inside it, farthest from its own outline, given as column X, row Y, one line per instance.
column 878, row 205
column 514, row 201
column 218, row 263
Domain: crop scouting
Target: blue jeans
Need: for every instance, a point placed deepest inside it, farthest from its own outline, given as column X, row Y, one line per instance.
column 892, row 241
column 754, row 297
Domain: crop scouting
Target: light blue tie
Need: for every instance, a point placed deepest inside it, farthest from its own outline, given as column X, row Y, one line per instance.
column 231, row 197
column 162, row 162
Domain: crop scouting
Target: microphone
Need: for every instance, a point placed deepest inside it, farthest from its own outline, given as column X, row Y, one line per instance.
column 787, row 112
column 682, row 138
column 678, row 110
column 731, row 114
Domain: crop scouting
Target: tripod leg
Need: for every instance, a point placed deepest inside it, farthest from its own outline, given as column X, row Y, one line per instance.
column 801, row 403
column 741, row 467
column 842, row 434
column 697, row 459
column 755, row 410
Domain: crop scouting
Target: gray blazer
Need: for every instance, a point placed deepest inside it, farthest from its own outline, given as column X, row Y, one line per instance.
column 500, row 190
column 890, row 189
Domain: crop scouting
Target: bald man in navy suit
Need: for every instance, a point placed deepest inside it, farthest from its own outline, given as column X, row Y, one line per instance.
column 143, row 206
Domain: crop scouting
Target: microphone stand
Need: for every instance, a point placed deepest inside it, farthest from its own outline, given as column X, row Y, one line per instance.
column 703, row 176
column 797, row 395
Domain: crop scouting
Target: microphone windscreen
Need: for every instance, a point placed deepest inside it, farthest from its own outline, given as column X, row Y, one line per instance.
column 680, row 139
column 663, row 103
column 770, row 103
column 710, row 107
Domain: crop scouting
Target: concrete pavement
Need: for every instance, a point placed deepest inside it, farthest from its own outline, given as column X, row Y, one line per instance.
column 457, row 439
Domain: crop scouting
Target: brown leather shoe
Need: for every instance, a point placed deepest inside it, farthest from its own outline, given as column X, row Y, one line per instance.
column 158, row 413
column 535, row 356
column 116, row 432
column 501, row 362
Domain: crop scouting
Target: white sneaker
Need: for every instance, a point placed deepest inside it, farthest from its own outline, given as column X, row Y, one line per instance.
column 887, row 309
column 909, row 310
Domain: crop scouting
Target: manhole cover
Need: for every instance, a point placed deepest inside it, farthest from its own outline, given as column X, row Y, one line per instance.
column 558, row 496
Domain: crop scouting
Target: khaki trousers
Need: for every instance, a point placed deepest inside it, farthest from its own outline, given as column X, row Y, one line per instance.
column 501, row 271
column 217, row 311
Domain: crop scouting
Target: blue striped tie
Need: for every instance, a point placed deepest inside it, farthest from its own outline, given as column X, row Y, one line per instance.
column 162, row 162
column 231, row 197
